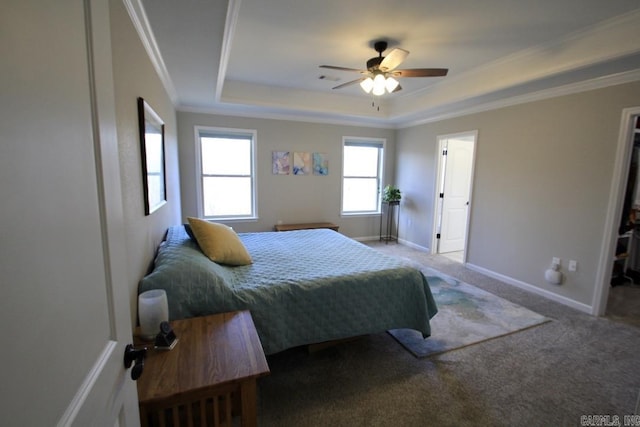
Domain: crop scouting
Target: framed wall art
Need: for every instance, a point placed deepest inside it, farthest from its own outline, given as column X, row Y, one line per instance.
column 320, row 164
column 280, row 162
column 301, row 163
column 153, row 158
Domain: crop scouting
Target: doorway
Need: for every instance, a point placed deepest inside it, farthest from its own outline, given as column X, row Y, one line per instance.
column 618, row 210
column 623, row 302
column 456, row 158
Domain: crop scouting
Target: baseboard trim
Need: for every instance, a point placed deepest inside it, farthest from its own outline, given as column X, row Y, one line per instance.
column 414, row 246
column 585, row 308
column 366, row 238
column 533, row 289
column 401, row 241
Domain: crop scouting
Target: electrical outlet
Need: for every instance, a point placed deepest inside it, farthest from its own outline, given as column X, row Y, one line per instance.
column 573, row 265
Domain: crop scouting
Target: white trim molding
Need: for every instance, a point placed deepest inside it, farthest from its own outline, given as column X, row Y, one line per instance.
column 87, row 385
column 531, row 288
column 567, row 89
column 143, row 28
column 414, row 246
column 233, row 10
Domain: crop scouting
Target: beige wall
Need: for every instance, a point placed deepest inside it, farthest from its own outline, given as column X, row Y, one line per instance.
column 134, row 76
column 287, row 198
column 542, row 178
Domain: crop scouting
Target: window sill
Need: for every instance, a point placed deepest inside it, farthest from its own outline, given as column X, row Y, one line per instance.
column 232, row 219
column 359, row 214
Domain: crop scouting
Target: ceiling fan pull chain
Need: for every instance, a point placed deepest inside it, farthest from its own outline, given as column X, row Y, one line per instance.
column 373, row 103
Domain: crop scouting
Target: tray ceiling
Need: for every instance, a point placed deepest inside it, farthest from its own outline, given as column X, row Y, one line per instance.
column 260, row 57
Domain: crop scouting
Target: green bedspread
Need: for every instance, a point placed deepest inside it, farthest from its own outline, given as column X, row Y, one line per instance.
column 304, row 287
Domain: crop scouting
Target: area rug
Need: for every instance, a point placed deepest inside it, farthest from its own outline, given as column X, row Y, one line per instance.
column 466, row 315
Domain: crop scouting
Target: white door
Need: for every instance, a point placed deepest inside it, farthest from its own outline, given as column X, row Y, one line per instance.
column 456, row 193
column 65, row 304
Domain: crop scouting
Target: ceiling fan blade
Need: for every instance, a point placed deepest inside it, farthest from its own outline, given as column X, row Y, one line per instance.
column 352, row 82
column 397, row 89
column 393, row 59
column 333, row 67
column 421, row 72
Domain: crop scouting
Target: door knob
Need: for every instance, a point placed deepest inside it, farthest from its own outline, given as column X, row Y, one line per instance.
column 136, row 357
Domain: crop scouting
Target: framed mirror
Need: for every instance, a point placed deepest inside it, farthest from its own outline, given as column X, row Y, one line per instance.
column 153, row 163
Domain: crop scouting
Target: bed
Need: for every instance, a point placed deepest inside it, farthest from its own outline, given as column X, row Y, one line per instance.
column 303, row 287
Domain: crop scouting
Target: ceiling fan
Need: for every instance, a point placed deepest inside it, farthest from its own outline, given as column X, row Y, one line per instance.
column 381, row 71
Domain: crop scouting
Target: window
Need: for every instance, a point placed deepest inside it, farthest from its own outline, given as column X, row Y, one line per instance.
column 361, row 175
column 226, row 181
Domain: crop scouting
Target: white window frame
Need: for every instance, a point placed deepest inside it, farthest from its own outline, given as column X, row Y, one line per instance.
column 219, row 131
column 358, row 140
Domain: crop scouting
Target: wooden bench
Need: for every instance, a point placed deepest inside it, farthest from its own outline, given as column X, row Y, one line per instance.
column 307, row 226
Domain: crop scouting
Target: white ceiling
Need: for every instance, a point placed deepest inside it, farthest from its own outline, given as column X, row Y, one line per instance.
column 261, row 57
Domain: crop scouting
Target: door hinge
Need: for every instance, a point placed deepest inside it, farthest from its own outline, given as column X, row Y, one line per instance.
column 444, row 152
column 442, row 195
column 438, row 236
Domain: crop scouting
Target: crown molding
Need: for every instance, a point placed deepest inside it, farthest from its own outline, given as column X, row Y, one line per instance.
column 143, row 28
column 270, row 113
column 568, row 89
column 256, row 112
column 459, row 95
column 231, row 21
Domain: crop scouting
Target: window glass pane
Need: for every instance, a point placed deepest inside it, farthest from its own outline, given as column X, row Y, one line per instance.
column 227, row 196
column 222, row 156
column 360, row 194
column 227, row 187
column 360, row 161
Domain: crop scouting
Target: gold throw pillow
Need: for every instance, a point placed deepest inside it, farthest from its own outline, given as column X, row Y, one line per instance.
column 219, row 242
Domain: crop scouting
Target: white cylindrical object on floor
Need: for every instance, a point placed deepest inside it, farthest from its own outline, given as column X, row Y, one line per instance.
column 153, row 309
column 553, row 275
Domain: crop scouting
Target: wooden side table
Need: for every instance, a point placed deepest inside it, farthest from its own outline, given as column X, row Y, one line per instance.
column 307, row 226
column 208, row 377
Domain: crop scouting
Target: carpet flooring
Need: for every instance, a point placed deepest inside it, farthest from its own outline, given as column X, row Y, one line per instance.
column 552, row 374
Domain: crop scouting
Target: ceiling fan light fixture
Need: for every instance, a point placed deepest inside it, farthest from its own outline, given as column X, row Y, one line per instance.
column 391, row 84
column 379, row 75
column 367, row 84
column 378, row 85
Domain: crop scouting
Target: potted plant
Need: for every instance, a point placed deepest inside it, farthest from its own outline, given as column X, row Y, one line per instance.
column 391, row 194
